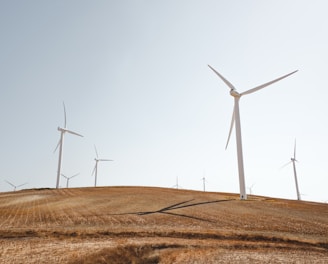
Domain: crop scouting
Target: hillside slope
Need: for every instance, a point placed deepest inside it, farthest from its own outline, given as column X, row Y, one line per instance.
column 158, row 225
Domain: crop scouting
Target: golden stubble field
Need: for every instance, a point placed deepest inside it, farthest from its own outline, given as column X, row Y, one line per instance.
column 158, row 225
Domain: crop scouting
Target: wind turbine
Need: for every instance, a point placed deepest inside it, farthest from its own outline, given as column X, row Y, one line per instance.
column 236, row 121
column 177, row 183
column 251, row 188
column 293, row 160
column 60, row 145
column 15, row 186
column 68, row 178
column 204, row 180
column 95, row 170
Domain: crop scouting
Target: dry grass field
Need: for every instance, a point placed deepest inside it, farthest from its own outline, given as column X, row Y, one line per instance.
column 158, row 225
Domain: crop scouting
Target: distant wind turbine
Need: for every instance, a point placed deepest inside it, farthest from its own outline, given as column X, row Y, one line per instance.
column 177, row 183
column 204, row 180
column 95, row 170
column 251, row 188
column 15, row 186
column 236, row 121
column 68, row 178
column 60, row 145
column 293, row 160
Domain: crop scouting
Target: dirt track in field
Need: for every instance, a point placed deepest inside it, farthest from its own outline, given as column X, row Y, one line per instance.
column 158, row 225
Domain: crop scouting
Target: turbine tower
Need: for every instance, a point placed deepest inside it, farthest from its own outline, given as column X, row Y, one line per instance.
column 15, row 186
column 60, row 145
column 68, row 178
column 236, row 121
column 95, row 170
column 293, row 160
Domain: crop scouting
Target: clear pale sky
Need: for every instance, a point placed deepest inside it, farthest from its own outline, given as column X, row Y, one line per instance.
column 135, row 81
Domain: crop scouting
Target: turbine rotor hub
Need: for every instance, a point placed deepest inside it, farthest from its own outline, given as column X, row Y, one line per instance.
column 234, row 93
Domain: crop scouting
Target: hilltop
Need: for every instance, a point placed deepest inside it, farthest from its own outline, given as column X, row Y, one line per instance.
column 158, row 225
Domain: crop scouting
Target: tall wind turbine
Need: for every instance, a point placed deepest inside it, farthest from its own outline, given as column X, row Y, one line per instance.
column 68, row 178
column 236, row 121
column 15, row 186
column 95, row 170
column 60, row 145
column 293, row 160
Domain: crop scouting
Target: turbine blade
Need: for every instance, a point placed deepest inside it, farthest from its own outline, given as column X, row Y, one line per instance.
column 267, row 84
column 295, row 150
column 222, row 78
column 74, row 175
column 96, row 151
column 10, row 183
column 105, row 160
column 64, row 176
column 21, row 185
column 285, row 165
column 64, row 115
column 94, row 170
column 231, row 126
column 57, row 145
column 72, row 132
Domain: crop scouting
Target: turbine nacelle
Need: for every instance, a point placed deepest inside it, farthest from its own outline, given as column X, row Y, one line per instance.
column 64, row 130
column 234, row 93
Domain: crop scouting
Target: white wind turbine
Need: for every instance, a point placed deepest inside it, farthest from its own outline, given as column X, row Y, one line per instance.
column 251, row 189
column 68, row 178
column 15, row 186
column 177, row 184
column 293, row 160
column 60, row 145
column 204, row 180
column 236, row 121
column 95, row 170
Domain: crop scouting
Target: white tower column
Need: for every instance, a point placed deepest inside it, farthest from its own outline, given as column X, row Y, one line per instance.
column 243, row 195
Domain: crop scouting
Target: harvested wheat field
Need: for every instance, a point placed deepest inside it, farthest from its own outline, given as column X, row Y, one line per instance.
column 158, row 225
